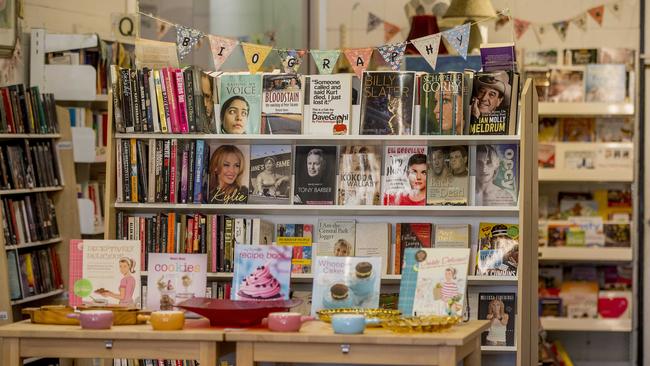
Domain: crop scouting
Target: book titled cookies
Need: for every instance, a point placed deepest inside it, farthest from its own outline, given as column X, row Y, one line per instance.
column 262, row 272
column 174, row 278
column 346, row 282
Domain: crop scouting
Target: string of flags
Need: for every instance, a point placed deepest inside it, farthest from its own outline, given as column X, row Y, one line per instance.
column 359, row 58
column 390, row 29
column 597, row 13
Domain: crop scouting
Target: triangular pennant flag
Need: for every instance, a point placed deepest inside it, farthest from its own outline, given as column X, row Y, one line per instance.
column 580, row 21
column 390, row 30
column 615, row 8
column 539, row 31
column 521, row 26
column 325, row 60
column 221, row 48
column 597, row 13
column 291, row 60
column 161, row 29
column 502, row 20
column 255, row 55
column 373, row 22
column 458, row 38
column 561, row 28
column 186, row 39
column 359, row 59
column 428, row 47
column 393, row 54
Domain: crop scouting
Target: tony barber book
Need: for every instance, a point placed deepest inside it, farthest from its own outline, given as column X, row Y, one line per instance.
column 387, row 103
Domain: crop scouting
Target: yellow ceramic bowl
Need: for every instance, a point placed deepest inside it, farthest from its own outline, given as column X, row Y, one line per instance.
column 166, row 320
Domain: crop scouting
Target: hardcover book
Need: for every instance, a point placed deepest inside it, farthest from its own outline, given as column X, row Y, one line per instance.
column 578, row 130
column 497, row 175
column 546, row 156
column 315, row 175
column 387, row 103
column 300, row 238
column 500, row 310
column 498, row 56
column 452, row 236
column 448, row 175
column 493, row 103
column 346, row 282
column 282, row 104
column 262, row 272
column 228, row 173
column 359, row 175
column 335, row 238
column 581, row 56
column 328, row 101
column 567, row 84
column 270, row 174
column 614, row 129
column 405, row 176
column 410, row 235
column 548, row 130
column 373, row 239
column 434, row 281
column 241, row 103
column 174, row 278
column 606, row 83
column 498, row 250
column 441, row 104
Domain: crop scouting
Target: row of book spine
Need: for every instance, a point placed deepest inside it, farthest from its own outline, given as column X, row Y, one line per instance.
column 28, row 165
column 149, row 362
column 26, row 110
column 34, row 272
column 28, row 218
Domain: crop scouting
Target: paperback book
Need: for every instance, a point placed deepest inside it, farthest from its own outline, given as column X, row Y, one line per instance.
column 606, row 83
column 567, row 84
column 500, row 310
column 452, row 236
column 262, row 272
column 335, row 238
column 315, row 175
column 493, row 103
column 270, row 174
column 373, row 239
column 282, row 104
column 241, row 101
column 441, row 104
column 174, row 278
column 359, row 175
column 387, row 103
column 448, row 175
column 410, row 235
column 497, row 175
column 498, row 249
column 300, row 238
column 328, row 101
column 228, row 173
column 405, row 176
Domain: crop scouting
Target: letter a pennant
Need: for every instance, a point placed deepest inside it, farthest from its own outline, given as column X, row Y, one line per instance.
column 458, row 38
column 291, row 60
column 221, row 49
column 393, row 54
column 359, row 59
column 325, row 60
column 255, row 55
column 186, row 39
column 428, row 47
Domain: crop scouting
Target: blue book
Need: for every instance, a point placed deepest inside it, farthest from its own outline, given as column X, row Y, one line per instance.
column 198, row 171
column 262, row 272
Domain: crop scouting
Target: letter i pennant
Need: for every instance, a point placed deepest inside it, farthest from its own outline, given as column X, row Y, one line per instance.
column 458, row 38
column 359, row 59
column 393, row 54
column 325, row 60
column 221, row 49
column 255, row 55
column 428, row 47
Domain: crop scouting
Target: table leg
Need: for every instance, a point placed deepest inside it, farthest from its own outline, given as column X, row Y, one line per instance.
column 11, row 352
column 474, row 358
column 208, row 353
column 447, row 356
column 244, row 354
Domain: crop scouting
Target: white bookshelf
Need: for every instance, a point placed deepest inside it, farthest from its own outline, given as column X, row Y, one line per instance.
column 586, row 325
column 585, row 254
column 547, row 109
column 33, row 244
column 498, row 349
column 603, row 169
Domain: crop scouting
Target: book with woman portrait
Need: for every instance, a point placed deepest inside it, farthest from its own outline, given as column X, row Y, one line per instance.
column 240, row 97
column 315, row 173
column 270, row 174
column 499, row 309
column 228, row 174
column 405, row 176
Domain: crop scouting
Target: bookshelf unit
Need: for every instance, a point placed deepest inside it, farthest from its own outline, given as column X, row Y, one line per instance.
column 525, row 285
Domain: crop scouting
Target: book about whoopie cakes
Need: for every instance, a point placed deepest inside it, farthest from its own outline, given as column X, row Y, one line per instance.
column 262, row 272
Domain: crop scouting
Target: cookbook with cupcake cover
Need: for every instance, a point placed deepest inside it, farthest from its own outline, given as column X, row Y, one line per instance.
column 434, row 281
column 174, row 278
column 346, row 282
column 262, row 272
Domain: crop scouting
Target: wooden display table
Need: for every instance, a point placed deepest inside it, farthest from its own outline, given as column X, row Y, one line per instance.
column 317, row 343
column 23, row 339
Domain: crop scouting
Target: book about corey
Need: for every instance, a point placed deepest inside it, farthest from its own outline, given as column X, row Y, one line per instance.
column 498, row 250
column 270, row 174
column 359, row 175
column 174, row 278
column 441, row 104
column 228, row 173
column 434, row 281
column 262, row 272
column 241, row 103
column 387, row 103
column 328, row 103
column 497, row 175
column 448, row 175
column 282, row 104
column 405, row 176
column 346, row 282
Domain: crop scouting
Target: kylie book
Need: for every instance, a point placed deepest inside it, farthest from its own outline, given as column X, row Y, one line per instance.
column 359, row 175
column 270, row 174
column 493, row 103
column 498, row 249
column 387, row 103
column 174, row 278
column 282, row 104
column 405, row 176
column 315, row 175
column 497, row 175
column 410, row 235
column 228, row 173
column 434, row 281
column 328, row 101
column 500, row 310
column 335, row 238
column 241, row 103
column 300, row 238
column 262, row 272
column 346, row 282
column 441, row 104
column 448, row 175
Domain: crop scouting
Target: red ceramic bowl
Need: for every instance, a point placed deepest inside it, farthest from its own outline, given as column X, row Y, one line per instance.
column 233, row 313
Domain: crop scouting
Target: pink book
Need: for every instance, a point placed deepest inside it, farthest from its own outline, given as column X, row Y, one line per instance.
column 184, row 171
column 76, row 270
column 182, row 106
column 213, row 243
column 143, row 245
column 172, row 172
column 170, row 82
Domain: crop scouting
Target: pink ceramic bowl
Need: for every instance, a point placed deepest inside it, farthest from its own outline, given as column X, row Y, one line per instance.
column 94, row 319
column 285, row 321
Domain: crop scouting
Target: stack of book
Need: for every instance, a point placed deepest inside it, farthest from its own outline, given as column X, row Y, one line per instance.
column 26, row 110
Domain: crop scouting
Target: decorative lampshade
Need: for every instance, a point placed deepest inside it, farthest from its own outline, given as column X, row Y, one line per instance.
column 473, row 9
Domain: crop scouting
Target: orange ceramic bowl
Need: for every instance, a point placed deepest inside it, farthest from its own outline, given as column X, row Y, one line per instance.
column 166, row 320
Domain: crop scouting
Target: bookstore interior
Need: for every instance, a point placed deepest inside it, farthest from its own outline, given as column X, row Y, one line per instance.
column 240, row 182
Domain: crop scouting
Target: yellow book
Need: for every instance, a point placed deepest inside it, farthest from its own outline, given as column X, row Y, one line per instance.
column 161, row 104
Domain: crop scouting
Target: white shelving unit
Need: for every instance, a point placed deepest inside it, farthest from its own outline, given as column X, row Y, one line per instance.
column 586, row 325
column 547, row 109
column 622, row 171
column 585, row 254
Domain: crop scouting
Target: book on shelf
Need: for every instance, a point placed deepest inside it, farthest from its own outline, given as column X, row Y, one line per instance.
column 359, row 175
column 261, row 272
column 336, row 238
column 581, row 56
column 94, row 191
column 410, row 235
column 567, row 84
column 270, row 174
column 328, row 101
column 497, row 175
column 387, row 103
column 346, row 282
column 300, row 238
column 543, row 57
column 228, row 173
column 315, row 175
column 282, row 104
column 617, row 235
column 25, row 110
column 493, row 104
column 442, row 107
column 29, row 164
column 546, row 156
column 405, row 180
column 541, row 79
column 240, row 96
column 498, row 250
column 606, row 83
column 221, row 290
column 434, row 281
column 373, row 239
column 28, row 218
column 498, row 56
column 33, row 272
column 452, row 236
column 549, row 129
column 500, row 309
column 612, row 129
column 448, row 175
column 174, row 278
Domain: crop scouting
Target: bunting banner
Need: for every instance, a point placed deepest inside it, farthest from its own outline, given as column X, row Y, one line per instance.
column 501, row 21
column 561, row 28
column 458, row 38
column 393, row 54
column 521, row 26
column 325, row 60
column 255, row 55
column 161, row 29
column 580, row 21
column 373, row 22
column 539, row 30
column 221, row 48
column 428, row 47
column 615, row 9
column 359, row 59
column 597, row 13
column 291, row 60
column 390, row 30
column 186, row 39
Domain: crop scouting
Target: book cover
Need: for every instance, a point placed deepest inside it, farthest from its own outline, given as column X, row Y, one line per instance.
column 617, row 234
column 359, row 175
column 434, row 281
column 605, row 83
column 498, row 56
column 592, row 228
column 205, row 98
column 612, row 129
column 410, row 235
column 405, row 176
column 581, row 56
column 300, row 238
column 387, row 103
column 498, row 249
column 315, row 175
column 346, row 282
column 548, row 130
column 281, row 104
column 262, row 272
column 578, row 129
column 567, row 84
column 241, row 103
column 448, row 175
column 541, row 57
column 174, row 278
column 610, row 55
column 451, row 236
column 328, row 101
column 373, row 239
column 270, row 174
column 228, row 173
column 500, row 310
column 441, row 104
column 546, row 156
column 491, row 103
column 497, row 175
column 335, row 238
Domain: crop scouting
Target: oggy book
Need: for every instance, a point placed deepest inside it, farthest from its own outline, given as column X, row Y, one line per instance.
column 262, row 272
column 174, row 278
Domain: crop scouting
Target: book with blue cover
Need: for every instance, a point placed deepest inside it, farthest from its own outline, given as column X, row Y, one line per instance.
column 262, row 272
column 241, row 103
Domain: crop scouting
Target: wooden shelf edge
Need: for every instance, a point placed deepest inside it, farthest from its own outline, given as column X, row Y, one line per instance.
column 333, row 138
column 585, row 254
column 586, row 325
column 5, row 192
column 6, row 136
column 498, row 349
column 33, row 244
column 37, row 297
